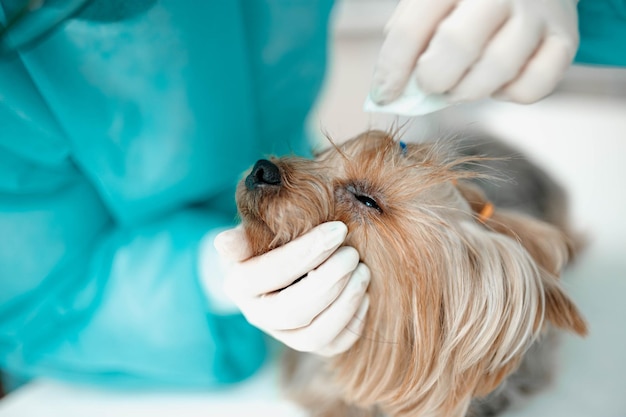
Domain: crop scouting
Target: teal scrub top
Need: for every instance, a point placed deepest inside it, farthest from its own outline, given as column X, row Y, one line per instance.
column 124, row 126
column 123, row 131
column 602, row 26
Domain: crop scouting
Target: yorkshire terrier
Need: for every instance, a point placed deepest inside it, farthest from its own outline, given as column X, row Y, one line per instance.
column 465, row 296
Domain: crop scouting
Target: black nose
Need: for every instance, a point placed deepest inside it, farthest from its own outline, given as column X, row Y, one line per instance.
column 263, row 172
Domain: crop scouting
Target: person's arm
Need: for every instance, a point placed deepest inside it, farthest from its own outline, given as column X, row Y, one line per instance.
column 132, row 312
column 105, row 292
column 87, row 298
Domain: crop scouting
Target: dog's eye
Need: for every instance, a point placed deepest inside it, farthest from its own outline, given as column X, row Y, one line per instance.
column 369, row 202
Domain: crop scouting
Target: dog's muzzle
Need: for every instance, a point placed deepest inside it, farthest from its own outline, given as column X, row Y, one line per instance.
column 264, row 173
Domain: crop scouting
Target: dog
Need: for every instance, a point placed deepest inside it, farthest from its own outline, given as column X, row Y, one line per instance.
column 465, row 295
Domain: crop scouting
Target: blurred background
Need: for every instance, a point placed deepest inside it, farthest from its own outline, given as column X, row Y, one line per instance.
column 578, row 134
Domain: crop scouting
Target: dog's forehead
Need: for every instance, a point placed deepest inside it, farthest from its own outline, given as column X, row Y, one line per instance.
column 369, row 147
column 370, row 142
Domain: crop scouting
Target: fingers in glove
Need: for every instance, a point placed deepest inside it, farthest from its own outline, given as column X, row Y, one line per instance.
column 299, row 304
column 398, row 13
column 458, row 42
column 280, row 267
column 232, row 245
column 542, row 73
column 502, row 61
column 408, row 34
column 331, row 323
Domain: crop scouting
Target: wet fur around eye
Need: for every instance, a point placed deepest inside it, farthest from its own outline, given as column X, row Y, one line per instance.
column 464, row 302
column 359, row 197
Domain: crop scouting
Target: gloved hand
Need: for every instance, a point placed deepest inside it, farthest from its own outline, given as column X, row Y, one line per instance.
column 323, row 312
column 516, row 50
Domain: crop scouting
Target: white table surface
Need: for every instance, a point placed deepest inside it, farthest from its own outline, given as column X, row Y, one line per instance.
column 259, row 396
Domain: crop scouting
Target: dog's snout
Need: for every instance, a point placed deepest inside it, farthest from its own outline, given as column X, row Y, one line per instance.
column 263, row 172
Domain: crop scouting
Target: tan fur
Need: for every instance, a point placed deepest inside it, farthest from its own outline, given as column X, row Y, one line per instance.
column 455, row 303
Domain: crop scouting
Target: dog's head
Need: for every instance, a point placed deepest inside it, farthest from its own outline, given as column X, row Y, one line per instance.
column 457, row 294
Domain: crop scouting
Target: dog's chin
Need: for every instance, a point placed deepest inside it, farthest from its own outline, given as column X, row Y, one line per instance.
column 260, row 237
column 264, row 234
column 258, row 233
column 272, row 218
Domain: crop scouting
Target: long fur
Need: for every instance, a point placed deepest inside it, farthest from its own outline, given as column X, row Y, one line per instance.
column 454, row 303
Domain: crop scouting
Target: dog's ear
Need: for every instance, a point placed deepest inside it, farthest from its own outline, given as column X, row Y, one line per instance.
column 550, row 247
column 560, row 310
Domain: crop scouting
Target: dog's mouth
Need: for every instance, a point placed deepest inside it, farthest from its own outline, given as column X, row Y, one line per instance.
column 281, row 199
column 253, row 196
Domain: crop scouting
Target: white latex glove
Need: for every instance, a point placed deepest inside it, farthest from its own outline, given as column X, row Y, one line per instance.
column 322, row 313
column 515, row 50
